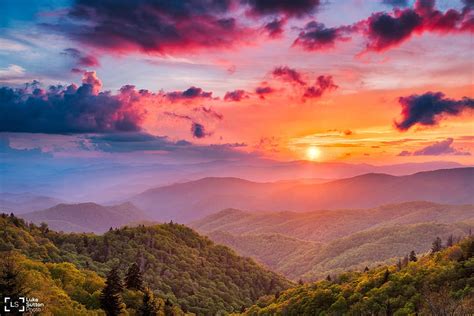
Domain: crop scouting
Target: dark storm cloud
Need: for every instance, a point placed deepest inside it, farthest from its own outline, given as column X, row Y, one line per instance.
column 427, row 109
column 386, row 30
column 67, row 109
column 152, row 26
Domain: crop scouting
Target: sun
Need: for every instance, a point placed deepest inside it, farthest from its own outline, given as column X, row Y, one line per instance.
column 313, row 153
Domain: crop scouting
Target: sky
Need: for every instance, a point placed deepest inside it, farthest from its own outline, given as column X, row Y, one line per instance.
column 194, row 81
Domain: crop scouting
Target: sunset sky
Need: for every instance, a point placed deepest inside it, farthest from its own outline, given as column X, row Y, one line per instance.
column 379, row 82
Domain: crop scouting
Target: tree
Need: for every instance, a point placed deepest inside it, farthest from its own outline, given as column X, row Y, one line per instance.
column 149, row 306
column 413, row 257
column 386, row 275
column 437, row 245
column 133, row 279
column 366, row 269
column 111, row 296
column 11, row 282
column 450, row 241
column 328, row 278
column 168, row 307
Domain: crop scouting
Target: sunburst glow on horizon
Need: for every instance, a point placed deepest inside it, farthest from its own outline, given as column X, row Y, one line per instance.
column 313, row 153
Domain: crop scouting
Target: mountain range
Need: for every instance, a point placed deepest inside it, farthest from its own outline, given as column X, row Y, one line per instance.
column 189, row 201
column 86, row 217
column 312, row 244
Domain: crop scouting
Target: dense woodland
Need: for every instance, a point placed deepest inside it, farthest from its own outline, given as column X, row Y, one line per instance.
column 169, row 269
column 183, row 271
column 440, row 283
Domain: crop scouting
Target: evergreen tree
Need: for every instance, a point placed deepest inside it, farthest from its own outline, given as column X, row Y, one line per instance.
column 111, row 296
column 149, row 306
column 437, row 245
column 386, row 275
column 413, row 257
column 450, row 241
column 11, row 283
column 133, row 279
column 366, row 269
column 168, row 307
column 328, row 278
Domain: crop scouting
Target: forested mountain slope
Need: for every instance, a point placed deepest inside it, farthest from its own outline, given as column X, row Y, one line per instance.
column 177, row 263
column 441, row 283
column 327, row 225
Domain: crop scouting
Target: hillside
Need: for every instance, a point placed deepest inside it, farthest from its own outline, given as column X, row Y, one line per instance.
column 185, row 202
column 327, row 225
column 278, row 252
column 19, row 203
column 86, row 217
column 188, row 201
column 441, row 283
column 177, row 264
column 450, row 186
column 300, row 259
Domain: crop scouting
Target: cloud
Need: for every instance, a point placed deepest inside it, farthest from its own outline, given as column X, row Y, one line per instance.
column 129, row 142
column 210, row 112
column 315, row 36
column 437, row 149
column 322, row 84
column 274, row 28
column 289, row 75
column 82, row 60
column 12, row 72
column 90, row 78
column 387, row 30
column 404, row 153
column 282, row 7
column 235, row 96
column 69, row 109
column 427, row 109
column 189, row 94
column 198, row 130
column 262, row 91
column 144, row 142
column 149, row 26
